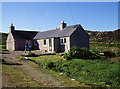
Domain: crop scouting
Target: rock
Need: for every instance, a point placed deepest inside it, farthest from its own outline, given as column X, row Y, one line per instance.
column 72, row 79
column 26, row 58
column 61, row 73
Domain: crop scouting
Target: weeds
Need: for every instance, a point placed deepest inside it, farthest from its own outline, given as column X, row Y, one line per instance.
column 94, row 72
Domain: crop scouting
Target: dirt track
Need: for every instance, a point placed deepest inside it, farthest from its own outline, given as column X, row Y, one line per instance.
column 45, row 80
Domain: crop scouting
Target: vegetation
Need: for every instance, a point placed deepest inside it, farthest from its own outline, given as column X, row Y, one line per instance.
column 94, row 72
column 4, row 38
column 96, row 67
column 3, row 48
column 56, row 75
column 104, row 44
column 84, row 53
column 30, row 54
column 19, row 81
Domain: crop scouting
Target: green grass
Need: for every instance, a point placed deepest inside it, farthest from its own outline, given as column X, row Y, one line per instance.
column 3, row 48
column 19, row 57
column 66, row 81
column 94, row 72
column 17, row 77
column 103, row 48
column 48, row 58
column 104, row 44
column 4, row 36
column 100, row 73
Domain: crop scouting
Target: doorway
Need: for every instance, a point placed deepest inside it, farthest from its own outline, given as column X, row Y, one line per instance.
column 50, row 44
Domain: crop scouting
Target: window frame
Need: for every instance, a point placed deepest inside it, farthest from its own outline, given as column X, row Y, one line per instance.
column 44, row 42
column 62, row 41
column 65, row 40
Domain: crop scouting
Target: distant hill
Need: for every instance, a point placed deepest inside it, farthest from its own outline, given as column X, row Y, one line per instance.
column 3, row 38
column 107, row 36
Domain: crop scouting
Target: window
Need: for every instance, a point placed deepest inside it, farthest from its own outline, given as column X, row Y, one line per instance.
column 35, row 42
column 44, row 42
column 64, row 40
column 61, row 40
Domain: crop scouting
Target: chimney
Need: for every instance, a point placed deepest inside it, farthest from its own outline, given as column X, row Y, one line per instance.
column 11, row 28
column 62, row 25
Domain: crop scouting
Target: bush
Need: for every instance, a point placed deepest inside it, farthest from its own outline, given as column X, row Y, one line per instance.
column 77, row 52
column 84, row 53
column 67, row 56
column 117, row 53
column 109, row 54
column 58, row 67
column 48, row 64
column 3, row 46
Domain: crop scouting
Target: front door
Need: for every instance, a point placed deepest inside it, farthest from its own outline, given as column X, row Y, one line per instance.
column 50, row 44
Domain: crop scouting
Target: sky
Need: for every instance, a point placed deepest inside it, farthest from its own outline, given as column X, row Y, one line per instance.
column 42, row 16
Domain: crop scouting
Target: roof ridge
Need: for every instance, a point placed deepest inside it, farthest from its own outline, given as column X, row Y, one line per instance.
column 26, row 31
column 58, row 28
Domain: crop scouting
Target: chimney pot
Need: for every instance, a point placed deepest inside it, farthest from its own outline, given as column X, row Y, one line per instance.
column 11, row 28
column 62, row 25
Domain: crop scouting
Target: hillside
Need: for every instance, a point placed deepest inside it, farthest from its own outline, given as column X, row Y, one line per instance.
column 106, row 36
column 97, row 36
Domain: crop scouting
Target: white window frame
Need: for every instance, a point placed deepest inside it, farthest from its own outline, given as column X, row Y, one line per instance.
column 63, row 41
column 43, row 42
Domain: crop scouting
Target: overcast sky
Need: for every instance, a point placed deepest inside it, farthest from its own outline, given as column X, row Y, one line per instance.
column 41, row 16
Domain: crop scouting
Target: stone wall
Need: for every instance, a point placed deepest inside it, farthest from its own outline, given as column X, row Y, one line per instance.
column 43, row 47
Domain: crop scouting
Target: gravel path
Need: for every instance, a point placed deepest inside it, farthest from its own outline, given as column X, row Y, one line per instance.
column 44, row 79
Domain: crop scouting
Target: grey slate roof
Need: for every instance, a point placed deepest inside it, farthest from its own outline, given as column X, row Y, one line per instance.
column 67, row 31
column 26, row 35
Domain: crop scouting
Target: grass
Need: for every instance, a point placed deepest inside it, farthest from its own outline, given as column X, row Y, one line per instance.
column 3, row 48
column 22, row 80
column 100, row 73
column 44, row 58
column 19, row 57
column 94, row 72
column 103, row 48
column 56, row 75
column 104, row 44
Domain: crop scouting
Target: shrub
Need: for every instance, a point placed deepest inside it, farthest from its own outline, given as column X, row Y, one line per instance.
column 109, row 54
column 117, row 53
column 67, row 56
column 77, row 52
column 95, row 54
column 3, row 46
column 58, row 67
column 48, row 64
column 84, row 53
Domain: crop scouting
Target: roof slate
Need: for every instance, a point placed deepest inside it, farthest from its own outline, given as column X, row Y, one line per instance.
column 26, row 35
column 67, row 31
